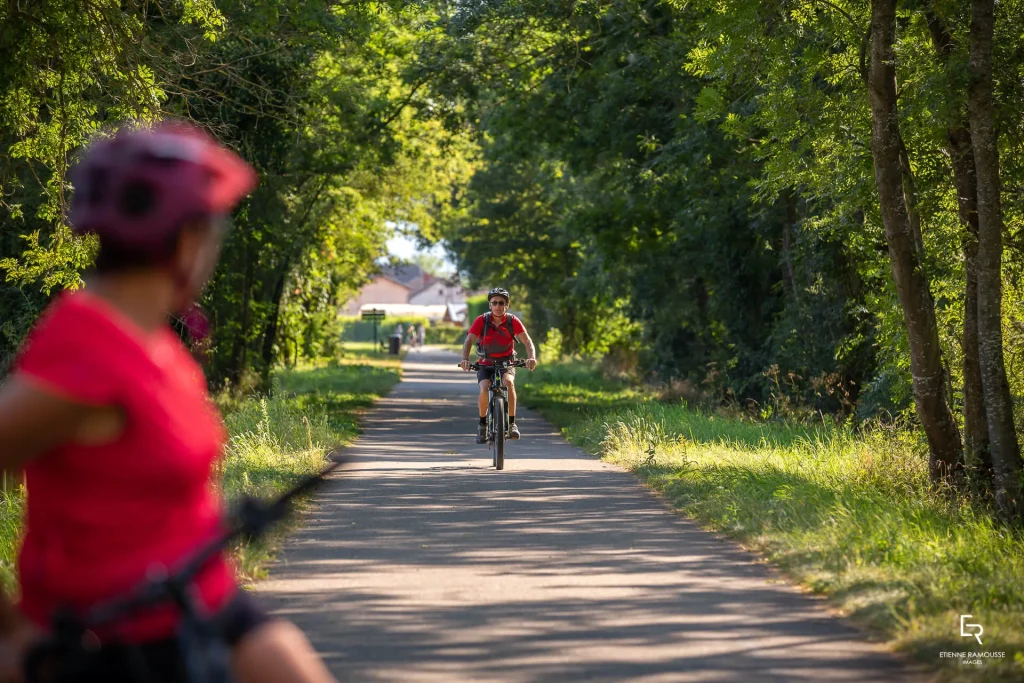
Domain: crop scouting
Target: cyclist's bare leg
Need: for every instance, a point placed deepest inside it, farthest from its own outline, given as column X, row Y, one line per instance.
column 278, row 652
column 510, row 382
column 481, row 402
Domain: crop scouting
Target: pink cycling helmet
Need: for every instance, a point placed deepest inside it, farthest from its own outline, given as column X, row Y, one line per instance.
column 136, row 189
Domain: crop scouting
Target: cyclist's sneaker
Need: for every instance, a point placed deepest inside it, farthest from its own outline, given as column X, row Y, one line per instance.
column 513, row 431
column 481, row 433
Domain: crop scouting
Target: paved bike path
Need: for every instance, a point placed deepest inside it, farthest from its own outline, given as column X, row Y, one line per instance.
column 422, row 563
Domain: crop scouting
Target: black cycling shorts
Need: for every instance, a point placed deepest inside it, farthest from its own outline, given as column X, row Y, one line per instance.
column 487, row 372
column 160, row 661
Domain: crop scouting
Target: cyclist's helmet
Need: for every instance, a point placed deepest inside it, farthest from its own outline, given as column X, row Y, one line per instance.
column 499, row 291
column 137, row 189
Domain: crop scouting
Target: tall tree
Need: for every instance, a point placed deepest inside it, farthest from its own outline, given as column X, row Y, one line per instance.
column 929, row 377
column 961, row 157
column 998, row 404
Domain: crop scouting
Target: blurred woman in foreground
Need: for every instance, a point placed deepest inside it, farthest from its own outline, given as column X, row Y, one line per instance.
column 109, row 417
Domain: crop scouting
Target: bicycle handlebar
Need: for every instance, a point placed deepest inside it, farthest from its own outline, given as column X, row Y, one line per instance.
column 497, row 365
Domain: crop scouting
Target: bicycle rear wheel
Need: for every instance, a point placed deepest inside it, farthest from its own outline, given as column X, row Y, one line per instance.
column 498, row 417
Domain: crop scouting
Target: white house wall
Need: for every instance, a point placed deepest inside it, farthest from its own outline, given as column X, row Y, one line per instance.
column 439, row 293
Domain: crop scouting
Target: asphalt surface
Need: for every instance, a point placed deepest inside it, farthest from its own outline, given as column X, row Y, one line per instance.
column 423, row 563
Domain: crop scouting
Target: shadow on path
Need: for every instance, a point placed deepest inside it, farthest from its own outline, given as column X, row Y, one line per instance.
column 422, row 563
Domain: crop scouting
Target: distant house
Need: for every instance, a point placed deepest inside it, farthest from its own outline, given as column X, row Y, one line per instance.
column 380, row 290
column 410, row 275
column 409, row 290
column 438, row 292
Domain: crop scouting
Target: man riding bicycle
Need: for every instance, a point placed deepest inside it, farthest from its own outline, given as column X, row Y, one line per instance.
column 495, row 334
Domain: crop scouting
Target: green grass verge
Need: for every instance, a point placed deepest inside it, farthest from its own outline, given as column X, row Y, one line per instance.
column 356, row 352
column 273, row 441
column 848, row 515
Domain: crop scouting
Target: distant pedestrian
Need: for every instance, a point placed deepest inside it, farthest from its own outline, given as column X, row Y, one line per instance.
column 422, row 335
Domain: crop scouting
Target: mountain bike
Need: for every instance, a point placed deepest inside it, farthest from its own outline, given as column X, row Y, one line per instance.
column 65, row 652
column 497, row 409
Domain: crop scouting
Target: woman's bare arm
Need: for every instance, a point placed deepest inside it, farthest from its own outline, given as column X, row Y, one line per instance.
column 33, row 421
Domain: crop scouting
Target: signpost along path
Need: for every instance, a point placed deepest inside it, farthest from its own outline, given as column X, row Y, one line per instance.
column 374, row 315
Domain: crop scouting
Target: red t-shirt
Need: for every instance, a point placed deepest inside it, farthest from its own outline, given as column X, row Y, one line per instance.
column 496, row 341
column 99, row 517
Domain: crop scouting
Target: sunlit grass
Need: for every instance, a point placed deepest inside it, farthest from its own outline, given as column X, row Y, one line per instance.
column 11, row 510
column 357, row 352
column 849, row 515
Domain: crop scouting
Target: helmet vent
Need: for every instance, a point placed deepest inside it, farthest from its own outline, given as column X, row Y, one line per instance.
column 138, row 198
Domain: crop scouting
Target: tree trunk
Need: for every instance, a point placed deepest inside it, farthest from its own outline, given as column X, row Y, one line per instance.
column 961, row 156
column 789, row 225
column 270, row 333
column 975, row 416
column 241, row 347
column 945, row 453
column 998, row 406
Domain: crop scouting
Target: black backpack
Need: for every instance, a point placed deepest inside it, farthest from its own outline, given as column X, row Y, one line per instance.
column 480, row 351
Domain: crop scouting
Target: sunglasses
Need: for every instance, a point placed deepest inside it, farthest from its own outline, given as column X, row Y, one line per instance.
column 497, row 302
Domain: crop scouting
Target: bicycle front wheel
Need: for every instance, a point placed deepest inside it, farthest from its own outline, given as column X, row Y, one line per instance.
column 498, row 416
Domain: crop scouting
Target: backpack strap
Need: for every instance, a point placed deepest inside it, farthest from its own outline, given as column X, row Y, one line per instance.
column 480, row 341
column 488, row 322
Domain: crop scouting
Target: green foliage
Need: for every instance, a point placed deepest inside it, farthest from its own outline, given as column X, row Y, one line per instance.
column 341, row 156
column 12, row 510
column 391, row 322
column 70, row 68
column 476, row 306
column 550, row 349
column 702, row 171
column 444, row 334
column 644, row 225
column 312, row 95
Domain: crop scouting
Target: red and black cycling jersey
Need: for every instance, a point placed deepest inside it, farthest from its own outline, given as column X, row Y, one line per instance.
column 495, row 340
